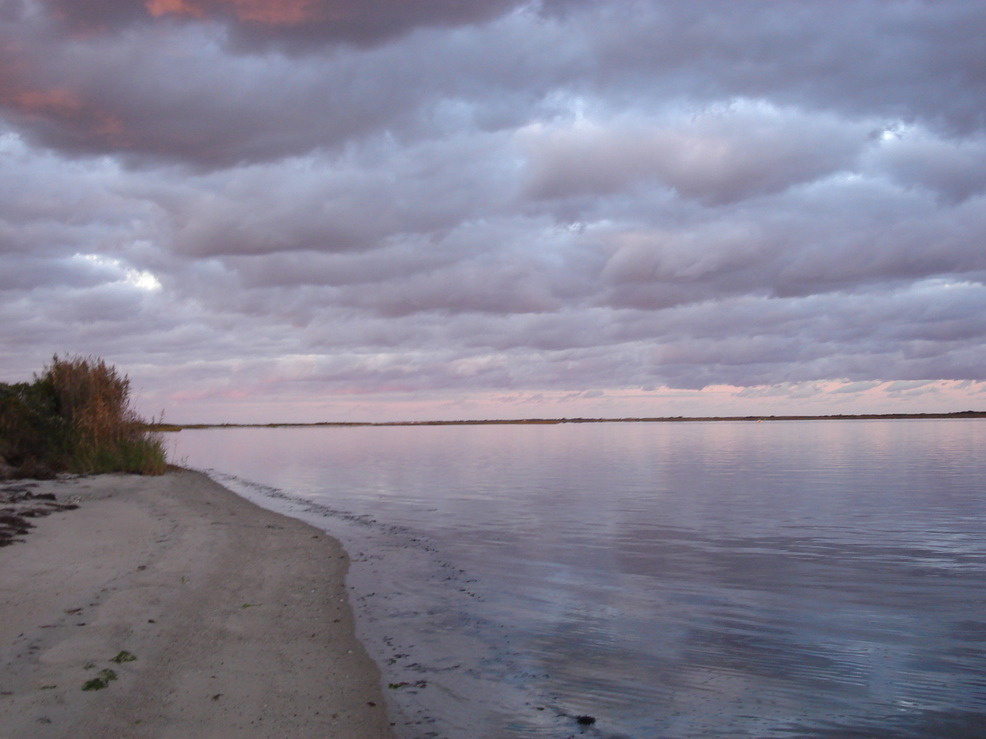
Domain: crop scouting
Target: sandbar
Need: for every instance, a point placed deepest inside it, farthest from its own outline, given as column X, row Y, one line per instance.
column 186, row 611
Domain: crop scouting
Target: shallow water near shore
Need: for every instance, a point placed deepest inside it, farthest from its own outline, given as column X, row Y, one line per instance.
column 797, row 578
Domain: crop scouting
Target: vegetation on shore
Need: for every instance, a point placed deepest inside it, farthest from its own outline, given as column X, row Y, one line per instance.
column 75, row 417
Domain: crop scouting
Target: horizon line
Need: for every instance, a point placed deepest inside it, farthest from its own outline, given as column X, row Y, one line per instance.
column 554, row 421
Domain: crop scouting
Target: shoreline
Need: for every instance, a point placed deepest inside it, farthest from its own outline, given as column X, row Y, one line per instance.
column 957, row 415
column 213, row 615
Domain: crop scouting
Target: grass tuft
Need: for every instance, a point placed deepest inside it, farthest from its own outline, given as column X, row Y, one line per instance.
column 101, row 681
column 124, row 656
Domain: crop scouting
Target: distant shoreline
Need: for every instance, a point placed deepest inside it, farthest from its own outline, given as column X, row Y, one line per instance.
column 553, row 421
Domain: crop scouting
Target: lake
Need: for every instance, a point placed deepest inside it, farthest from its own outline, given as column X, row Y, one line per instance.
column 822, row 578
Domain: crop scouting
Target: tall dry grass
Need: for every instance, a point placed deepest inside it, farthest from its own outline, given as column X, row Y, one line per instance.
column 77, row 417
column 109, row 436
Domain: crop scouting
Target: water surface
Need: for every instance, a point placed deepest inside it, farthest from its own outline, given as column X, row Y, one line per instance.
column 729, row 579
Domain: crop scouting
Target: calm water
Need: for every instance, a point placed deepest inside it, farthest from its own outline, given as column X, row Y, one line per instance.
column 818, row 578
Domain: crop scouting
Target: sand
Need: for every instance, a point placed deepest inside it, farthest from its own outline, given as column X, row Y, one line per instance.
column 237, row 618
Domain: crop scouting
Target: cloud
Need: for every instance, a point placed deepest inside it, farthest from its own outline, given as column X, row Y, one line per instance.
column 954, row 170
column 746, row 149
column 287, row 23
column 914, row 62
column 536, row 201
column 335, row 203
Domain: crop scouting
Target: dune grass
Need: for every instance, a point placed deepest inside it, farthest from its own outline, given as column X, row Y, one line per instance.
column 75, row 417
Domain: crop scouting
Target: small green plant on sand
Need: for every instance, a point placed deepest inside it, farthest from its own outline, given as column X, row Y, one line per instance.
column 123, row 656
column 102, row 680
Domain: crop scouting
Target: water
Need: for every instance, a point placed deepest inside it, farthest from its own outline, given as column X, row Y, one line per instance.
column 728, row 579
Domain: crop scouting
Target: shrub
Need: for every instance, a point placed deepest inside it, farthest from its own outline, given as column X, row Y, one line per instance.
column 33, row 437
column 76, row 416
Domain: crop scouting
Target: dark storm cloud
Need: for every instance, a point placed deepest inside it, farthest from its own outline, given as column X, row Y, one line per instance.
column 353, row 198
column 286, row 23
column 172, row 91
column 192, row 107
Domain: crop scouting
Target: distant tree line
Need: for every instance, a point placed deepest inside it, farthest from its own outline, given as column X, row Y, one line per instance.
column 74, row 417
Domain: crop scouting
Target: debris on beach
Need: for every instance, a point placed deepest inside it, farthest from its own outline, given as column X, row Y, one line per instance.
column 17, row 504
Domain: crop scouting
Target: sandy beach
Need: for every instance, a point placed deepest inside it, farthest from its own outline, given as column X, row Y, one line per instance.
column 186, row 611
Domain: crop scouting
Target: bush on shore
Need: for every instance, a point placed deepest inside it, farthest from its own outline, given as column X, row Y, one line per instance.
column 75, row 417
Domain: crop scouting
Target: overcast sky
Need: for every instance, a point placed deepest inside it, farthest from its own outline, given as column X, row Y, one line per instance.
column 315, row 210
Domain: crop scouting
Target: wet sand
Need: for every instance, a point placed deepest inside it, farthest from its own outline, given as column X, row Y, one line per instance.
column 186, row 610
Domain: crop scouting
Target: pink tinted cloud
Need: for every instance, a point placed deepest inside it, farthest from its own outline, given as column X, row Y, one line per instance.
column 267, row 12
column 63, row 106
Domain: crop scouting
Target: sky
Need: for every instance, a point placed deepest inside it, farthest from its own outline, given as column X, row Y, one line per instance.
column 371, row 210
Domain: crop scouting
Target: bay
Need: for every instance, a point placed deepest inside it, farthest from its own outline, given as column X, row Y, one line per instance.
column 792, row 578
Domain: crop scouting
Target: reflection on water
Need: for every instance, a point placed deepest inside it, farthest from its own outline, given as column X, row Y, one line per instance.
column 822, row 578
